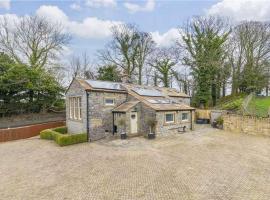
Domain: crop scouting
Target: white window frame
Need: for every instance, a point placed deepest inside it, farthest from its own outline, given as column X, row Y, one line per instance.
column 109, row 104
column 185, row 120
column 75, row 107
column 165, row 118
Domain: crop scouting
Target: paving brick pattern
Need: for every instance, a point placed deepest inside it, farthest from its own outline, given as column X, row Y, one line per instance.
column 203, row 164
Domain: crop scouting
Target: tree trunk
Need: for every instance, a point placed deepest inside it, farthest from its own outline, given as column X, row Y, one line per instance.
column 140, row 76
column 155, row 79
column 224, row 89
column 214, row 94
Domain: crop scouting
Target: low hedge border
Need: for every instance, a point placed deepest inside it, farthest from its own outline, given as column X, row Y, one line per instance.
column 61, row 137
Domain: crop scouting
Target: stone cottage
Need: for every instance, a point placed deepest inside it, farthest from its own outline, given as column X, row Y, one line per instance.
column 100, row 107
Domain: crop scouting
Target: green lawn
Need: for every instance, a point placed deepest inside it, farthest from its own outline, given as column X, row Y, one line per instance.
column 258, row 106
column 231, row 102
column 261, row 106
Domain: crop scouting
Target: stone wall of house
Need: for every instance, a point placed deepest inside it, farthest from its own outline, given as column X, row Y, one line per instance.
column 163, row 128
column 246, row 124
column 146, row 114
column 76, row 126
column 100, row 115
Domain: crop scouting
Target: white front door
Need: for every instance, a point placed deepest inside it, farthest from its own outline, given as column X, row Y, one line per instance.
column 133, row 122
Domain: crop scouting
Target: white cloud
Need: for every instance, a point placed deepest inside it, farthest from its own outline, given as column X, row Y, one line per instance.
column 90, row 27
column 100, row 3
column 242, row 9
column 53, row 13
column 166, row 39
column 5, row 4
column 75, row 6
column 133, row 8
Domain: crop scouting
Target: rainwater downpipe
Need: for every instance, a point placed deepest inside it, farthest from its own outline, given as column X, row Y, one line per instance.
column 87, row 117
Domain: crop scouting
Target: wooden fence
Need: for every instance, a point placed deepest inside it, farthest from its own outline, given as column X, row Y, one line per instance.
column 26, row 131
column 246, row 124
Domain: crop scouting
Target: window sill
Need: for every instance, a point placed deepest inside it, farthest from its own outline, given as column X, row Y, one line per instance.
column 185, row 120
column 169, row 123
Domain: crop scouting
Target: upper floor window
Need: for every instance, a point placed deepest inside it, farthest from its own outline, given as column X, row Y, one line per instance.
column 184, row 116
column 169, row 117
column 75, row 108
column 109, row 102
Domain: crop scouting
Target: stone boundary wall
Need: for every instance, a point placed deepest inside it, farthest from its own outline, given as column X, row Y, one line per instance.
column 23, row 132
column 246, row 124
column 30, row 119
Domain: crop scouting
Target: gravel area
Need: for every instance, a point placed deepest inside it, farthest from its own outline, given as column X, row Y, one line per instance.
column 203, row 164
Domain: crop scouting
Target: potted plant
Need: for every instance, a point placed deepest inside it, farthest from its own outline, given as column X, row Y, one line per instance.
column 122, row 124
column 151, row 123
column 219, row 122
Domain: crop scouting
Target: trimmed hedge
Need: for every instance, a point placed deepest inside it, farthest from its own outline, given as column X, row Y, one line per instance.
column 46, row 134
column 68, row 139
column 61, row 129
column 60, row 136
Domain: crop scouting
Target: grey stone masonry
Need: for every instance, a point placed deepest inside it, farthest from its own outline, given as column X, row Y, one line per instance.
column 76, row 126
column 163, row 128
column 100, row 114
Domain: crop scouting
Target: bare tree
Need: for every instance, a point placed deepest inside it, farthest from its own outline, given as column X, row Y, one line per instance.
column 82, row 67
column 122, row 51
column 145, row 48
column 33, row 41
column 249, row 56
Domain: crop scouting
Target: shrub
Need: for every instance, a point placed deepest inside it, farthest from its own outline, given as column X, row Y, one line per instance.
column 46, row 134
column 219, row 120
column 68, row 139
column 61, row 129
column 55, row 135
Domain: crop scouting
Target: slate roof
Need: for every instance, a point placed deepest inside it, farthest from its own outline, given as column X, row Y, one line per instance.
column 124, row 107
column 143, row 94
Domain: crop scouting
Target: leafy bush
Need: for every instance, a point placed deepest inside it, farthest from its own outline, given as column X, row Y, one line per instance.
column 68, row 139
column 219, row 120
column 233, row 105
column 47, row 134
column 61, row 129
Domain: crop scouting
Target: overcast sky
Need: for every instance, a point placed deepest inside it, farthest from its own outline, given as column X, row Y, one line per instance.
column 89, row 21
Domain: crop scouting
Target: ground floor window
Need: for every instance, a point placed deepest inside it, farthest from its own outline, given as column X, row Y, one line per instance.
column 169, row 117
column 75, row 108
column 184, row 116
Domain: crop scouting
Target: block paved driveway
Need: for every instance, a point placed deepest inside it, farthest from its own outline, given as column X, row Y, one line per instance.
column 205, row 164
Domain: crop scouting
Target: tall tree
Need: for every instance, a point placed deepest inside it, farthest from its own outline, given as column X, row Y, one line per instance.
column 145, row 48
column 81, row 67
column 16, row 80
column 163, row 60
column 249, row 56
column 108, row 73
column 203, row 41
column 123, row 50
column 33, row 41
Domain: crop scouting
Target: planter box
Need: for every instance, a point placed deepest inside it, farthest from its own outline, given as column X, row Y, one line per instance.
column 151, row 136
column 123, row 136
